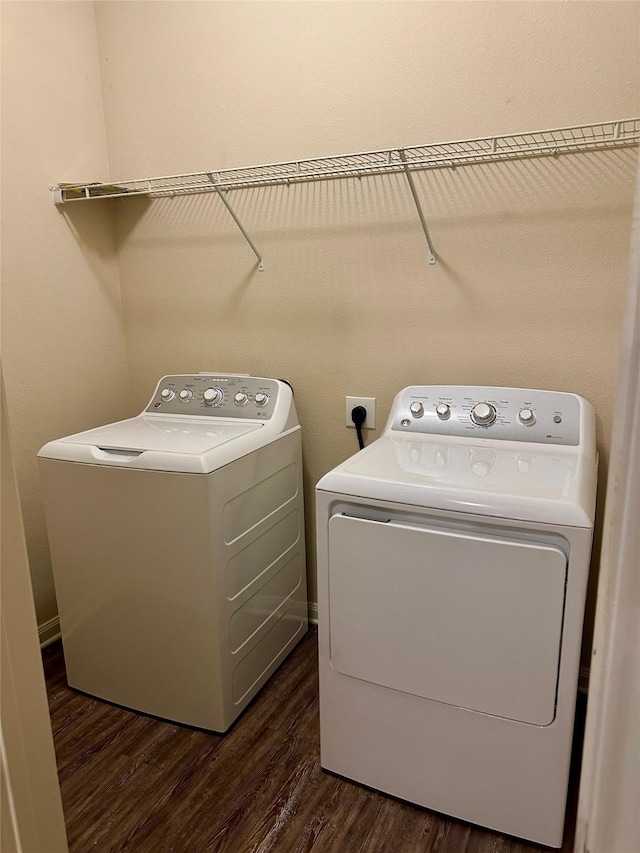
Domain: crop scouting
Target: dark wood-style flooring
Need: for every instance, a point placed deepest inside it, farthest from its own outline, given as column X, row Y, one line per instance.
column 134, row 783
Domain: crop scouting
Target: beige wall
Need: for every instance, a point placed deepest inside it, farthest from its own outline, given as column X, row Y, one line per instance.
column 31, row 818
column 62, row 329
column 532, row 255
column 607, row 817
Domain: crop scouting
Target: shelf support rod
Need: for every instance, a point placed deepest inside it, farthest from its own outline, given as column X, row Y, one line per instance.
column 414, row 193
column 239, row 224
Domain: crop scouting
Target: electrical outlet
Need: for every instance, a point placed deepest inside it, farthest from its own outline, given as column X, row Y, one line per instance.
column 370, row 405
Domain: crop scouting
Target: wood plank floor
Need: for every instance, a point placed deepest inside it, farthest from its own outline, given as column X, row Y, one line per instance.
column 133, row 783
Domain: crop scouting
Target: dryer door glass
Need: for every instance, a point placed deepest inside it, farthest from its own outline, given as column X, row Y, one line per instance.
column 452, row 616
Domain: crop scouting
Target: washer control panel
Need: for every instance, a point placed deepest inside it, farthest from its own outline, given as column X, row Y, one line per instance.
column 510, row 414
column 208, row 395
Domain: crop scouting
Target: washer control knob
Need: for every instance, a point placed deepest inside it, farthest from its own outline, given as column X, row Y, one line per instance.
column 240, row 398
column 167, row 394
column 443, row 411
column 261, row 399
column 483, row 414
column 212, row 396
column 417, row 410
column 186, row 395
column 527, row 417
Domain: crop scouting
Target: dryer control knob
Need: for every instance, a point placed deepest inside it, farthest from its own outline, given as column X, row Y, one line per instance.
column 526, row 417
column 185, row 395
column 417, row 410
column 240, row 398
column 261, row 399
column 483, row 413
column 167, row 394
column 443, row 411
column 212, row 396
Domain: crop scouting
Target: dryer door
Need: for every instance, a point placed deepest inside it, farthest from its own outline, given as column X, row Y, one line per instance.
column 457, row 617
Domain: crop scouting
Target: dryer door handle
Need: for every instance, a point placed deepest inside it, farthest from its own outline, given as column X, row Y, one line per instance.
column 365, row 518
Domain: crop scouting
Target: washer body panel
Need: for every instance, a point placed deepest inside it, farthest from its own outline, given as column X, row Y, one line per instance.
column 179, row 593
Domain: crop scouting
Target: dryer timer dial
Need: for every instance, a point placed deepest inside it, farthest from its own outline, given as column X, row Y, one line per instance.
column 483, row 414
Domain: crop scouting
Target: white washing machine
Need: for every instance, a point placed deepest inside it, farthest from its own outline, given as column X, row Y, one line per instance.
column 177, row 540
column 453, row 557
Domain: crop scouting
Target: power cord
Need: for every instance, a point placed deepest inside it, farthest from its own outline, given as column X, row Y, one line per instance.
column 358, row 416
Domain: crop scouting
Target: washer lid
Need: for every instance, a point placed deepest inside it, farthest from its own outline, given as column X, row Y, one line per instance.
column 157, row 443
column 553, row 485
column 168, row 435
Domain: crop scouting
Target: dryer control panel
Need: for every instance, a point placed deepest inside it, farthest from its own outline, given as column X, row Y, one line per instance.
column 510, row 414
column 216, row 396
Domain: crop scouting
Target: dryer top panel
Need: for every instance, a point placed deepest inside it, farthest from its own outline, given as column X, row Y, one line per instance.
column 489, row 451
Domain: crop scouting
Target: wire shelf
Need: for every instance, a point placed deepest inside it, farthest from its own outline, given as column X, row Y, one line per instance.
column 467, row 152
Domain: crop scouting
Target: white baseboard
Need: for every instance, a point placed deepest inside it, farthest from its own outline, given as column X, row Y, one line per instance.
column 49, row 632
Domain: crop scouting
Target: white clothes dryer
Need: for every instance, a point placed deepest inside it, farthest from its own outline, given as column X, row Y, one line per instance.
column 453, row 558
column 177, row 541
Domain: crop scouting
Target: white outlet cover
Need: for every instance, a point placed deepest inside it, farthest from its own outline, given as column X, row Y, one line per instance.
column 370, row 405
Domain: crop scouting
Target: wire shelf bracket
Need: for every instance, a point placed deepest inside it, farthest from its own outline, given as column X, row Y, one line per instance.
column 414, row 193
column 236, row 219
column 467, row 152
